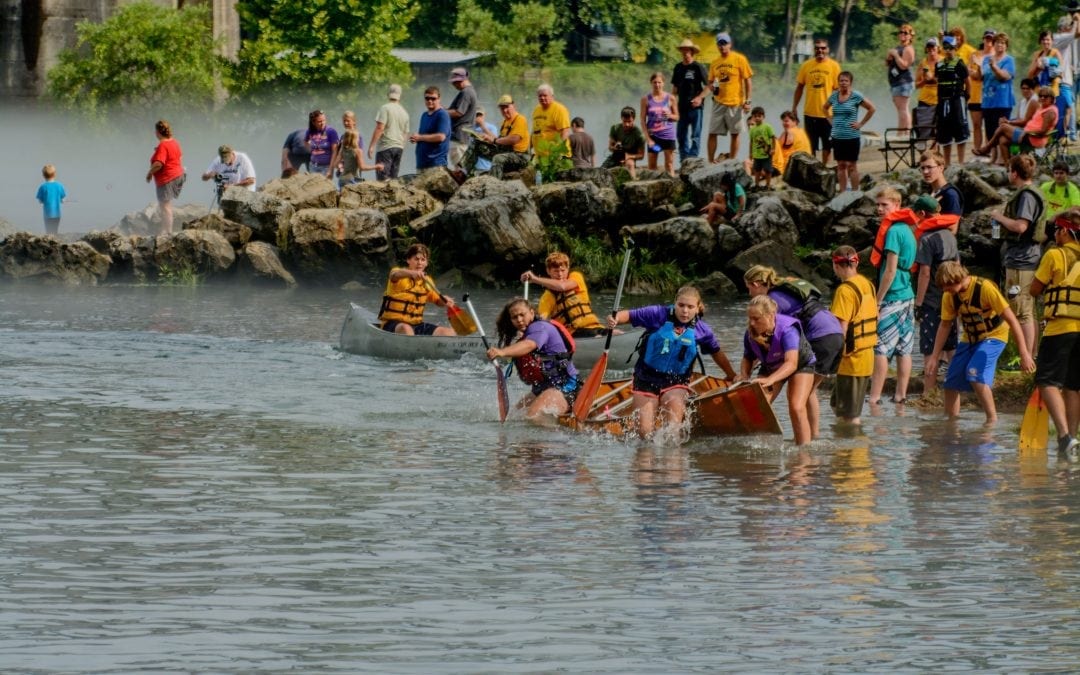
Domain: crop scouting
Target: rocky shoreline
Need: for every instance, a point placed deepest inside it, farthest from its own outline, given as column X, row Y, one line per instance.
column 301, row 230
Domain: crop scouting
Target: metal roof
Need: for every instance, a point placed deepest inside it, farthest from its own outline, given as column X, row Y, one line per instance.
column 437, row 56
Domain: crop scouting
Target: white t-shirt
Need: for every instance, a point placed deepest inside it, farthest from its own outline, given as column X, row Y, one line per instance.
column 240, row 169
column 1063, row 42
column 1023, row 103
column 395, row 121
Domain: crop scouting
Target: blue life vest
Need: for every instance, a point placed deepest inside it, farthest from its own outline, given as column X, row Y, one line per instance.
column 773, row 357
column 670, row 353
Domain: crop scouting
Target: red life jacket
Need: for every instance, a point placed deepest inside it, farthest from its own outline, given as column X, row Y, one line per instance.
column 877, row 255
column 537, row 368
column 938, row 222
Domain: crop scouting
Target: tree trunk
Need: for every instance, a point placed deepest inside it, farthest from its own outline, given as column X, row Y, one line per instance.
column 791, row 33
column 841, row 44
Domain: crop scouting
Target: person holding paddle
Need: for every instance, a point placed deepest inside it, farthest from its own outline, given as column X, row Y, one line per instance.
column 542, row 355
column 408, row 290
column 674, row 336
column 565, row 298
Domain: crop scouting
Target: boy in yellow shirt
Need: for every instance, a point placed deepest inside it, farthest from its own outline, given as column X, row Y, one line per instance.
column 855, row 305
column 565, row 297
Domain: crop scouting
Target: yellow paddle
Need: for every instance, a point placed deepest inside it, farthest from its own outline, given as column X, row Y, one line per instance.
column 1035, row 429
column 461, row 322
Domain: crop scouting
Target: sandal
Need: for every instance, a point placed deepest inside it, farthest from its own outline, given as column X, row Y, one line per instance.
column 980, row 152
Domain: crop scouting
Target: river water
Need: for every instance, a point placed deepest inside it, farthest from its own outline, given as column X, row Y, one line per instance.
column 195, row 479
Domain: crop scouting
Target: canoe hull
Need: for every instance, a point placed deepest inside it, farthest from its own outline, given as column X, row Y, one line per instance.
column 716, row 410
column 360, row 335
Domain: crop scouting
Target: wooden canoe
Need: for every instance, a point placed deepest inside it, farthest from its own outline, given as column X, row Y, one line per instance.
column 716, row 410
column 361, row 335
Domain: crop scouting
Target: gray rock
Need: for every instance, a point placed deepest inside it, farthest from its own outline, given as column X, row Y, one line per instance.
column 690, row 165
column 991, row 174
column 717, row 286
column 641, row 197
column 705, row 181
column 204, row 252
column 688, row 240
column 598, row 176
column 400, row 202
column 780, row 258
column 236, row 233
column 146, row 222
column 978, row 194
column 575, row 205
column 265, row 213
column 48, row 260
column 768, row 221
column 805, row 172
column 261, row 262
column 729, row 241
column 854, row 230
column 435, row 181
column 847, row 201
column 303, row 191
column 492, row 219
column 333, row 245
column 805, row 209
column 7, row 229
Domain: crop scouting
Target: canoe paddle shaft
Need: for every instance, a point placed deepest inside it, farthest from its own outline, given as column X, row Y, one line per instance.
column 503, row 393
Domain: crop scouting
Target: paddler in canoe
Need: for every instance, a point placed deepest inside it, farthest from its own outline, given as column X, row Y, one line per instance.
column 674, row 335
column 407, row 292
column 565, row 298
column 542, row 352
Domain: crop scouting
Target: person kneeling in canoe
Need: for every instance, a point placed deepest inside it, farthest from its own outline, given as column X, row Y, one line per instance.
column 408, row 290
column 778, row 343
column 542, row 357
column 674, row 334
column 565, row 297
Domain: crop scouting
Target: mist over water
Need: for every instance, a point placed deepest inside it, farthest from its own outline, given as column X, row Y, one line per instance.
column 103, row 164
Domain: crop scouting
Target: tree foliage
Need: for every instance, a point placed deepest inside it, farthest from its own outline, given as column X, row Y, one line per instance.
column 144, row 54
column 322, row 42
column 645, row 25
column 532, row 35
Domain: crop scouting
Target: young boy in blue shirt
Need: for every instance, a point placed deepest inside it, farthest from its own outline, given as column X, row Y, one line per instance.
column 51, row 194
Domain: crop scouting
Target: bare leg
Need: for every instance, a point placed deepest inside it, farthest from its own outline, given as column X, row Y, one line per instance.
column 734, row 146
column 712, row 148
column 959, row 152
column 166, row 217
column 877, row 379
column 986, row 400
column 1072, row 410
column 404, row 329
column 799, row 387
column 825, row 155
column 549, row 402
column 952, row 403
column 853, row 175
column 673, row 407
column 445, row 331
column 813, row 407
column 903, row 375
column 645, row 409
column 976, row 128
column 903, row 112
column 947, row 153
column 669, row 162
column 652, row 159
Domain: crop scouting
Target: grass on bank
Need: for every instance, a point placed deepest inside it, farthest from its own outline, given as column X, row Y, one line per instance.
column 601, row 263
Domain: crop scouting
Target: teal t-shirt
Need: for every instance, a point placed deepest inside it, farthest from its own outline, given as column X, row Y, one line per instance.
column 901, row 241
column 733, row 199
column 762, row 138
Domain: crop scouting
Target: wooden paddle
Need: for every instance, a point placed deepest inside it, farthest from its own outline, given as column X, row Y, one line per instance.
column 461, row 322
column 1035, row 429
column 583, row 403
column 504, row 395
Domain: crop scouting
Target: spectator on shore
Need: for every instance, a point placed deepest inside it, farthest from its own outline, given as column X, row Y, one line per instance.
column 51, row 194
column 951, row 76
column 432, row 137
column 658, row 112
column 295, row 154
column 932, row 167
column 730, row 78
column 582, row 146
column 974, row 65
column 626, row 143
column 1061, row 193
column 1068, row 30
column 1046, row 65
column 817, row 78
column 998, row 70
column 512, row 143
column 899, row 62
column 167, row 172
column 1035, row 132
column 551, row 120
column 926, row 84
column 688, row 81
column 792, row 139
column 1028, row 103
column 462, row 112
column 484, row 128
column 846, row 130
column 391, row 130
column 322, row 141
column 233, row 168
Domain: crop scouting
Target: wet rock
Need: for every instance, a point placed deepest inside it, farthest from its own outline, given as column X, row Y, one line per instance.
column 575, row 205
column 688, row 240
column 236, row 233
column 805, row 172
column 492, row 219
column 261, row 262
column 598, row 176
column 48, row 260
column 334, row 245
column 780, row 258
column 717, row 286
column 768, row 221
column 263, row 212
column 303, row 191
column 705, row 181
column 203, row 252
column 400, row 202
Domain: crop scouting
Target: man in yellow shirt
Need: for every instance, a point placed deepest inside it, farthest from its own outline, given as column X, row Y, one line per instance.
column 551, row 120
column 818, row 77
column 512, row 141
column 1057, row 373
column 729, row 77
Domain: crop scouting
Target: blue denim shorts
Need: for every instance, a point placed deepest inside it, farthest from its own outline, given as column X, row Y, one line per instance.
column 902, row 89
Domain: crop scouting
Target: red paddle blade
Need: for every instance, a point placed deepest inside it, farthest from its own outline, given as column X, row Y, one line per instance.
column 460, row 321
column 585, row 397
column 504, row 394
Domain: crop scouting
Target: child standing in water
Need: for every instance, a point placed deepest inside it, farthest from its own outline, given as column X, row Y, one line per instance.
column 51, row 194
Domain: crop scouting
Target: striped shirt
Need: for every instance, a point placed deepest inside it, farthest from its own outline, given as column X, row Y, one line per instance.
column 845, row 113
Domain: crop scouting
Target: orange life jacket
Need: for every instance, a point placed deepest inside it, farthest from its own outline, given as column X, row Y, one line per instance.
column 877, row 255
column 931, row 224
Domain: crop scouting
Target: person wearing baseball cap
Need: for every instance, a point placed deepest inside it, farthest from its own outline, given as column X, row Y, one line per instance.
column 818, row 77
column 391, row 132
column 730, row 78
column 231, row 168
column 510, row 148
column 951, row 76
column 462, row 113
column 688, row 85
column 1056, row 371
column 936, row 237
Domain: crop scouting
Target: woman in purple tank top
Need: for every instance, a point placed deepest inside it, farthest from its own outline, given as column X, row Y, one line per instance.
column 658, row 117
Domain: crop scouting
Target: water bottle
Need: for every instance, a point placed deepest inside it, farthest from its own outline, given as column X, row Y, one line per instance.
column 654, row 148
column 995, row 229
column 716, row 85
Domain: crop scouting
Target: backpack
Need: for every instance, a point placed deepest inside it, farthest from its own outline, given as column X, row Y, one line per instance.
column 805, row 291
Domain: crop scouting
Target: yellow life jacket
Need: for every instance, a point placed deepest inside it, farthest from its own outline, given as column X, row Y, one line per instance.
column 404, row 302
column 573, row 310
column 861, row 333
column 976, row 321
column 1063, row 300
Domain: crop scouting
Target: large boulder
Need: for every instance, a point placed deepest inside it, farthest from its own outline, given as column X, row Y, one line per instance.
column 641, row 198
column 805, row 209
column 780, row 258
column 303, row 191
column 7, row 229
column 575, row 205
column 202, row 252
column 717, row 286
column 263, row 212
column 599, row 176
column 705, row 181
column 51, row 261
column 686, row 240
column 729, row 242
column 768, row 221
column 146, row 222
column 259, row 261
column 992, row 174
column 400, row 202
column 491, row 219
column 978, row 194
column 129, row 259
column 436, row 181
column 236, row 234
column 806, row 172
column 333, row 245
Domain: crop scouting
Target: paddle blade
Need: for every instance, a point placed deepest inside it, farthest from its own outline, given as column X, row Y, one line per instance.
column 460, row 321
column 1035, row 429
column 583, row 403
column 504, row 393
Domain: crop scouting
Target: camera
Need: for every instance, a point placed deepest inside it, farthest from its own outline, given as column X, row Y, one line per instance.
column 220, row 181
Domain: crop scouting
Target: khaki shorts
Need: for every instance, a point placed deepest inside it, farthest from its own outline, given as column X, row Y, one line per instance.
column 726, row 119
column 457, row 153
column 1023, row 305
column 848, row 394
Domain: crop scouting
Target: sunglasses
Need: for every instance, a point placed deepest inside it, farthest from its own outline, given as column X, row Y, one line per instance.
column 431, row 98
column 904, row 32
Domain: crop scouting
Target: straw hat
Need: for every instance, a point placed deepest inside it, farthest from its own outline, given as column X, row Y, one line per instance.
column 689, row 44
